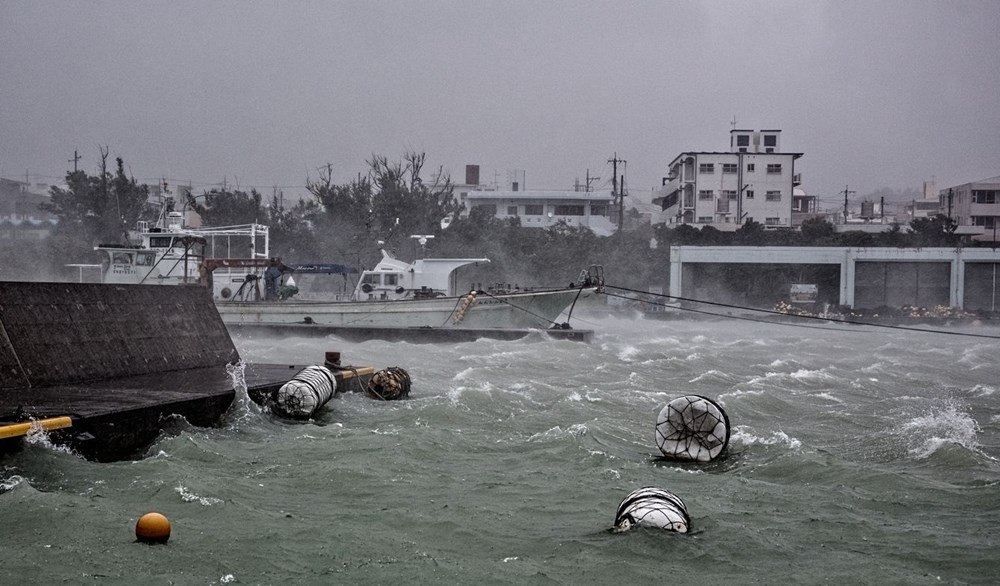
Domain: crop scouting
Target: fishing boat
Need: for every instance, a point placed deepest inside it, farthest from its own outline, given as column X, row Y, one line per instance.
column 424, row 293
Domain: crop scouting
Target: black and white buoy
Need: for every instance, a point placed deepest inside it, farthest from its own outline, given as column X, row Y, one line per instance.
column 308, row 390
column 652, row 507
column 692, row 428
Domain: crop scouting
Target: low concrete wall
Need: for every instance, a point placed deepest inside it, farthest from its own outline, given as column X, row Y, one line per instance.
column 64, row 333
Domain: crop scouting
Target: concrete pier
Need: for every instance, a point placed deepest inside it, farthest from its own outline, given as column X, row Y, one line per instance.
column 117, row 360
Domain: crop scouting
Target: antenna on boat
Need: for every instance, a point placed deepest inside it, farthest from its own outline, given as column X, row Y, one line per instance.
column 422, row 239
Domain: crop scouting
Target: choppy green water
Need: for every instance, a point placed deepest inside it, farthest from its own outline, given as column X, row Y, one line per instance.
column 861, row 456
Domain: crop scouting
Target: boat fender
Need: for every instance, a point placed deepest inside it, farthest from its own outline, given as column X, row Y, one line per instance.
column 463, row 307
column 692, row 428
column 390, row 384
column 652, row 507
column 306, row 393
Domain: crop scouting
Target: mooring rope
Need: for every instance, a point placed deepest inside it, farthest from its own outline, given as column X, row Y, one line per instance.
column 774, row 312
column 520, row 308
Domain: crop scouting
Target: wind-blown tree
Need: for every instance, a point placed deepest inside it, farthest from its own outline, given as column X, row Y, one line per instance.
column 341, row 218
column 225, row 207
column 92, row 210
column 389, row 205
column 402, row 203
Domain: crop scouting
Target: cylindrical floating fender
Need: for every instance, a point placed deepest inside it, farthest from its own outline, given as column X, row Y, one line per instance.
column 389, row 384
column 692, row 428
column 308, row 390
column 652, row 507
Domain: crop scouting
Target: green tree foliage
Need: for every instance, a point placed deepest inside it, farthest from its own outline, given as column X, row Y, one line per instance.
column 388, row 205
column 225, row 207
column 817, row 231
column 936, row 231
column 92, row 210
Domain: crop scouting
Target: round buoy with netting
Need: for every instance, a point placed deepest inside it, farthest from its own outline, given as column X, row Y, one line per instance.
column 692, row 428
column 308, row 390
column 652, row 507
column 389, row 384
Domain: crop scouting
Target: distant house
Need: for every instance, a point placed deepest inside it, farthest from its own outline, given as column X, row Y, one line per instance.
column 754, row 180
column 542, row 209
column 20, row 216
column 537, row 208
column 976, row 205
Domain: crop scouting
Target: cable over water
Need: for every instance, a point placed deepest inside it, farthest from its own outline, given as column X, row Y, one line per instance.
column 779, row 313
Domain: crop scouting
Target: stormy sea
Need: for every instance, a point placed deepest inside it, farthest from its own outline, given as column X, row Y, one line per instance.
column 858, row 455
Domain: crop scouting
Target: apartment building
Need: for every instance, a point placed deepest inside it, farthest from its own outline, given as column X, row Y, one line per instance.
column 975, row 204
column 754, row 180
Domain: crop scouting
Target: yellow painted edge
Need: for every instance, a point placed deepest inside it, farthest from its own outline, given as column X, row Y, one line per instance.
column 360, row 371
column 19, row 429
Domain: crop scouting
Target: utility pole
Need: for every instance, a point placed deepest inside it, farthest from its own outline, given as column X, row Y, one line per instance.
column 615, row 191
column 846, row 193
column 76, row 157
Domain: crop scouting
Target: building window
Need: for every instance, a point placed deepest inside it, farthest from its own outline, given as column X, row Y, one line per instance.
column 706, row 168
column 511, row 210
column 772, row 221
column 743, row 140
column 749, row 194
column 770, row 140
column 774, row 168
column 730, row 167
column 706, row 194
column 704, row 219
column 722, row 206
column 534, row 210
column 984, row 221
column 729, row 194
column 602, row 210
column 566, row 210
column 979, row 196
column 773, row 196
column 750, row 167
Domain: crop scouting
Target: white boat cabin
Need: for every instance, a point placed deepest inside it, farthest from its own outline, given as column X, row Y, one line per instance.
column 393, row 279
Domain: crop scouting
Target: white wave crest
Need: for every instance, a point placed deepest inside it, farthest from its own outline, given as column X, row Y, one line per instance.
column 950, row 426
column 557, row 432
column 628, row 353
column 37, row 436
column 8, row 484
column 804, row 374
column 190, row 497
column 746, row 437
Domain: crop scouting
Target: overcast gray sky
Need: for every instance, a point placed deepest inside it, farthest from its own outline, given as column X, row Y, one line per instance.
column 874, row 93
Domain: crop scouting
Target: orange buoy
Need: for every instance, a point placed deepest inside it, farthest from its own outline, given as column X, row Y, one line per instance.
column 152, row 528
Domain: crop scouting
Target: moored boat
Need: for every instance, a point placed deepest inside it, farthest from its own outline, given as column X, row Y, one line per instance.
column 394, row 294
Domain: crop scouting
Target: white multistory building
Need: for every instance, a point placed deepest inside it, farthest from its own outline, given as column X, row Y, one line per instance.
column 538, row 208
column 754, row 180
column 975, row 207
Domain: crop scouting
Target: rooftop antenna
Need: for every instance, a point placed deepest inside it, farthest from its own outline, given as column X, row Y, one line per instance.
column 733, row 123
column 74, row 160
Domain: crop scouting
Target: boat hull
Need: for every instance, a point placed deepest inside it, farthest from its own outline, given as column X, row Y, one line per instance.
column 535, row 309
